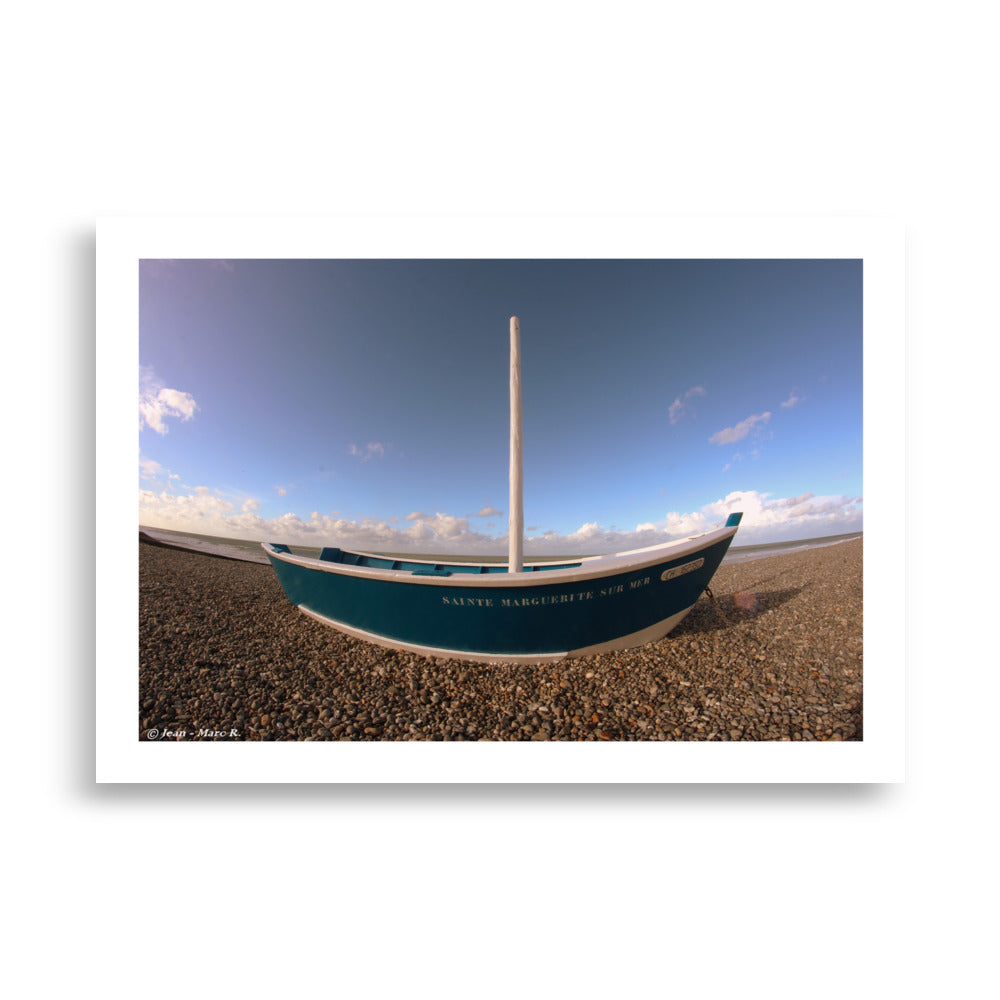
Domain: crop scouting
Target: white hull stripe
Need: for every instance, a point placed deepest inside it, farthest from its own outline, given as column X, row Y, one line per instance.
column 640, row 638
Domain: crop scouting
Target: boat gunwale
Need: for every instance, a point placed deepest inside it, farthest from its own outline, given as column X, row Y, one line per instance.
column 589, row 568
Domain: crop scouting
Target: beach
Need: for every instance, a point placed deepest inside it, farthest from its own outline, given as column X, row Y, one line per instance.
column 776, row 655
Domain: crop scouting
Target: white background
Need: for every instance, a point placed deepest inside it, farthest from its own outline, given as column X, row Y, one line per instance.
column 873, row 109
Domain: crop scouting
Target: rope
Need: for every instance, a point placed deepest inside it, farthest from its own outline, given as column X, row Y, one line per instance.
column 715, row 604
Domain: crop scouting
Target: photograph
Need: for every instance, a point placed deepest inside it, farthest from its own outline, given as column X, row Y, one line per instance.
column 535, row 499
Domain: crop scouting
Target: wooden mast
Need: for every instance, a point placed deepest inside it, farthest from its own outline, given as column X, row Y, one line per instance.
column 515, row 560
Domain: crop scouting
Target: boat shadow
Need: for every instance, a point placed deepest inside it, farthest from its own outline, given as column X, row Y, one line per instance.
column 725, row 610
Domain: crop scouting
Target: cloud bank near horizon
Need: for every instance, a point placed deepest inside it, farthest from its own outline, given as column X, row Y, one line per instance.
column 765, row 519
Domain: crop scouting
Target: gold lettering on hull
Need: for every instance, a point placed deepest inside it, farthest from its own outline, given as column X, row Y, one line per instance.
column 549, row 599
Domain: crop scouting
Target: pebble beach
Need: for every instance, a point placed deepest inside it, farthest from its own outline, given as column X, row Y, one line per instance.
column 776, row 655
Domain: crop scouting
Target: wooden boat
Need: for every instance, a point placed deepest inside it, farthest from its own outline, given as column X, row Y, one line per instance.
column 531, row 613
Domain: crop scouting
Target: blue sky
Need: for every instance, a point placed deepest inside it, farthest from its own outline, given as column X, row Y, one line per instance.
column 365, row 402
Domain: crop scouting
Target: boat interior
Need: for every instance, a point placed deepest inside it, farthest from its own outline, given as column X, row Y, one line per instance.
column 419, row 568
column 422, row 568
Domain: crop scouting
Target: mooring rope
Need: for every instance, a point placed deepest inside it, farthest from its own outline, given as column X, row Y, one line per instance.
column 715, row 604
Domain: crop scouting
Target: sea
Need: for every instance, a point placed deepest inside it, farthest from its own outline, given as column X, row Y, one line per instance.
column 250, row 551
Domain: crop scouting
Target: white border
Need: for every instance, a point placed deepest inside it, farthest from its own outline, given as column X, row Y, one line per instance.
column 122, row 242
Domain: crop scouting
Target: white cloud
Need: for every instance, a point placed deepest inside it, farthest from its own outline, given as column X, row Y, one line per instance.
column 199, row 511
column 587, row 531
column 373, row 448
column 438, row 525
column 730, row 434
column 796, row 501
column 765, row 519
column 488, row 511
column 157, row 402
column 679, row 407
column 149, row 469
column 205, row 512
column 792, row 400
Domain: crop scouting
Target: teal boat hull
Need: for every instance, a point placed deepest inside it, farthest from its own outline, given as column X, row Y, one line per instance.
column 485, row 614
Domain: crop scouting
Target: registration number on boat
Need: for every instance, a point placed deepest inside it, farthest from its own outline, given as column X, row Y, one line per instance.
column 676, row 571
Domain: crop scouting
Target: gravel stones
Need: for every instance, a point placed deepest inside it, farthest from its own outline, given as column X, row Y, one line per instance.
column 776, row 656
